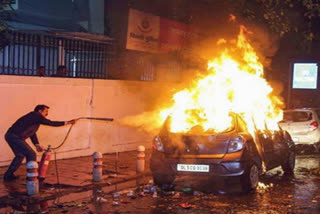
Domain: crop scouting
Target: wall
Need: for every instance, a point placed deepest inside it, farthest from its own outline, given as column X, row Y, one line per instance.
column 52, row 15
column 96, row 20
column 73, row 98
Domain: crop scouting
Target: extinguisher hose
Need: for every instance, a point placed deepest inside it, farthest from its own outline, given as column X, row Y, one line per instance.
column 55, row 156
column 96, row 118
column 64, row 140
column 87, row 118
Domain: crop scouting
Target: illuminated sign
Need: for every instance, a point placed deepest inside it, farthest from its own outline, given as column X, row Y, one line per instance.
column 305, row 75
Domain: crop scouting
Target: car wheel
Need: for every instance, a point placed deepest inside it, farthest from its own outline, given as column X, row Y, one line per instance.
column 162, row 179
column 289, row 164
column 250, row 179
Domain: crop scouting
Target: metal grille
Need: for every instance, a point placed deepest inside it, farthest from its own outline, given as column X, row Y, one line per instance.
column 26, row 52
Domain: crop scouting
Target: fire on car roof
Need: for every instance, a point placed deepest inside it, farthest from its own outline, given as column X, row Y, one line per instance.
column 234, row 83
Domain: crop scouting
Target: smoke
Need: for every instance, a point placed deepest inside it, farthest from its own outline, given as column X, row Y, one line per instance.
column 201, row 50
column 264, row 42
column 147, row 122
column 152, row 97
column 225, row 25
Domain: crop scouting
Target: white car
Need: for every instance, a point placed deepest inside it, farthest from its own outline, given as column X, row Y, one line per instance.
column 303, row 125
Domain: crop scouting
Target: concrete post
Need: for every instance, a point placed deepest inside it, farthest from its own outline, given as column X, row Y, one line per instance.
column 32, row 178
column 97, row 167
column 140, row 159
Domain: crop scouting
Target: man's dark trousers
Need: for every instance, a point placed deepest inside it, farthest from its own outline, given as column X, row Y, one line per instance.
column 20, row 149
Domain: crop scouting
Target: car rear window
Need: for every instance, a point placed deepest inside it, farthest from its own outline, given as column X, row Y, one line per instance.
column 198, row 130
column 297, row 116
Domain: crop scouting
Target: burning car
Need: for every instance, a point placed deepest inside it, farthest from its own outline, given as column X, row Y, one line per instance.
column 224, row 124
column 232, row 152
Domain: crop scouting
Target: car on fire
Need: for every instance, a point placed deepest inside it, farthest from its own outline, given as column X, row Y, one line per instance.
column 232, row 153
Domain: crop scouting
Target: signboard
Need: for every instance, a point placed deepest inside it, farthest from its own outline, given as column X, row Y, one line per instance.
column 150, row 33
column 172, row 35
column 305, row 75
column 143, row 31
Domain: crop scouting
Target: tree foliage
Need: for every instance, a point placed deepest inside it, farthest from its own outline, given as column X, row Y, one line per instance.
column 3, row 26
column 285, row 17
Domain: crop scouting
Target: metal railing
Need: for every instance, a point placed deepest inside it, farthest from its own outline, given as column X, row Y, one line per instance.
column 26, row 52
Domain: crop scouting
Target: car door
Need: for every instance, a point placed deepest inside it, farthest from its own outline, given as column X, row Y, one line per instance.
column 265, row 140
column 279, row 148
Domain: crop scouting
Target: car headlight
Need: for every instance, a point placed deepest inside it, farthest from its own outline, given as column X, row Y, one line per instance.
column 235, row 144
column 157, row 144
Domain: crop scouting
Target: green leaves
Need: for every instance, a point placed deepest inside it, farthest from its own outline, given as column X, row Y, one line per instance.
column 284, row 17
column 3, row 26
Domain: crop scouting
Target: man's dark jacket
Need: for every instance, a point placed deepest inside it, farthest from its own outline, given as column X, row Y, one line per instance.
column 27, row 126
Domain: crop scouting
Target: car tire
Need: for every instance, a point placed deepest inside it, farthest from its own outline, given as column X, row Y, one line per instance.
column 289, row 164
column 162, row 179
column 250, row 178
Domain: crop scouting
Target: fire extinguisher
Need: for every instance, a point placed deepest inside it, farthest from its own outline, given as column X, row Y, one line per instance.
column 44, row 163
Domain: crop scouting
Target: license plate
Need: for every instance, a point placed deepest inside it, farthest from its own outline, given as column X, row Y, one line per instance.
column 193, row 168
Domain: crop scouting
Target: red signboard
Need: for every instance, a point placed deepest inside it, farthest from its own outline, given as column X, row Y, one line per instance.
column 173, row 35
column 167, row 35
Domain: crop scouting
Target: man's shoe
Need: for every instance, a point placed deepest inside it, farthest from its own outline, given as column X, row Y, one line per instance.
column 10, row 177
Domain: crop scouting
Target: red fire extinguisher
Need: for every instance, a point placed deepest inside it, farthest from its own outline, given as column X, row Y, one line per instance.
column 44, row 163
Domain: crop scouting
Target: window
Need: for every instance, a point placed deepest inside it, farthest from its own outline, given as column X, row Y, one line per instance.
column 297, row 116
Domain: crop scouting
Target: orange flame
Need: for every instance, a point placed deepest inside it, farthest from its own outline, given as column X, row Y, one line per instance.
column 231, row 86
column 232, row 18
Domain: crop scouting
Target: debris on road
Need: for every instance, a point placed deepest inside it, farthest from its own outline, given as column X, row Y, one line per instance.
column 176, row 195
column 141, row 194
column 196, row 193
column 116, row 195
column 187, row 190
column 112, row 176
column 186, row 205
column 155, row 195
column 311, row 171
column 115, row 203
column 130, row 194
column 263, row 187
column 101, row 200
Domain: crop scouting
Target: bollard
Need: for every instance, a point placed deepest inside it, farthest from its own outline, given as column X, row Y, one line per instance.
column 32, row 178
column 97, row 166
column 140, row 159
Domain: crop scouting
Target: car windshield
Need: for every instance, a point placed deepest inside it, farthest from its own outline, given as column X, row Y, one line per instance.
column 297, row 116
column 198, row 129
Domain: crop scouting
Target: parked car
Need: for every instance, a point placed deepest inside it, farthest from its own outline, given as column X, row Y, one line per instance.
column 303, row 125
column 230, row 153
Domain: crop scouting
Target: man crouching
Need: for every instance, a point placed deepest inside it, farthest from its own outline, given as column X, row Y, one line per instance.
column 26, row 127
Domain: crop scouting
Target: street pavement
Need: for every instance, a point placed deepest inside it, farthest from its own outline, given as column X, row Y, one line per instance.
column 125, row 191
column 72, row 175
